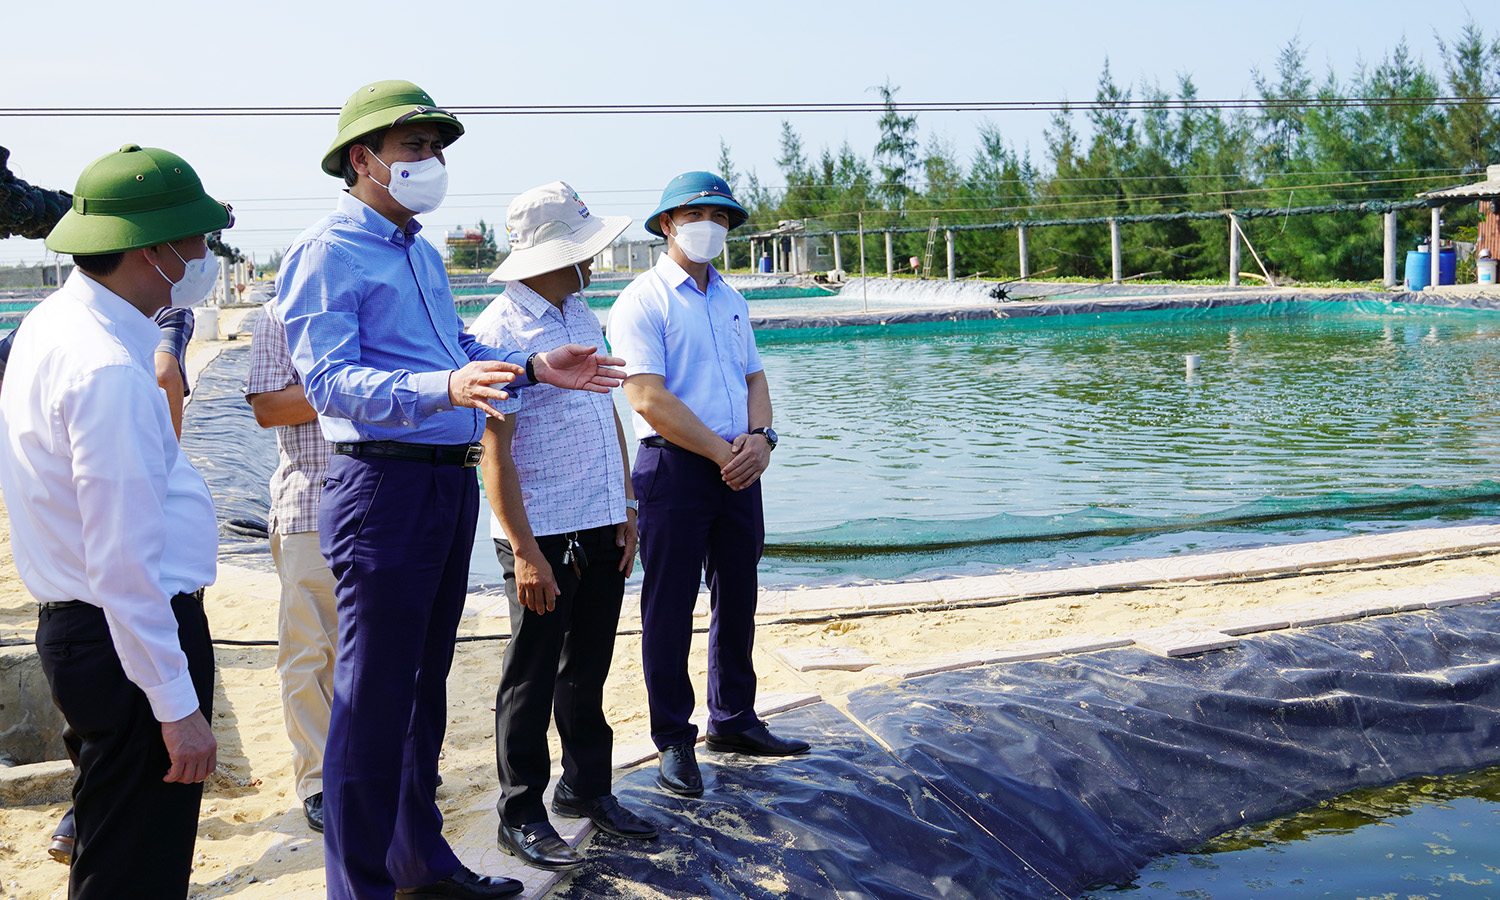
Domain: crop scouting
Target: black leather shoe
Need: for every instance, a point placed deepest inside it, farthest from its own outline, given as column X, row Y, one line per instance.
column 312, row 807
column 605, row 812
column 465, row 885
column 538, row 845
column 679, row 770
column 757, row 741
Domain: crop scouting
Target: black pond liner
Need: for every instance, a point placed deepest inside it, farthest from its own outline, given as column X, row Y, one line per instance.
column 1039, row 779
column 236, row 456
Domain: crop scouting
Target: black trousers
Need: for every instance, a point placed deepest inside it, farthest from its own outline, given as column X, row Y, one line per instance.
column 135, row 831
column 557, row 662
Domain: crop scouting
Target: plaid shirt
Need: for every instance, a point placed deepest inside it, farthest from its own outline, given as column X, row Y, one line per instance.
column 566, row 447
column 176, row 324
column 297, row 484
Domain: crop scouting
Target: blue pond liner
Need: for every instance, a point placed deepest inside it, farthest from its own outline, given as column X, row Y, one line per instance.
column 1039, row 779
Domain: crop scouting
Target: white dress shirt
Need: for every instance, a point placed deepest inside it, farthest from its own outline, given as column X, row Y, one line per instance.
column 104, row 506
column 700, row 342
column 566, row 448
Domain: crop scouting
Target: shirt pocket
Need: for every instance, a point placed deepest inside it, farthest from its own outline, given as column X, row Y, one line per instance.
column 735, row 329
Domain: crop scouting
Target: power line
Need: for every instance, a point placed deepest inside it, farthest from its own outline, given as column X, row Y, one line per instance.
column 958, row 106
column 654, row 191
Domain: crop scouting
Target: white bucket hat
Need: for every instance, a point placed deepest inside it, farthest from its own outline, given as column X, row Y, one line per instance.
column 550, row 228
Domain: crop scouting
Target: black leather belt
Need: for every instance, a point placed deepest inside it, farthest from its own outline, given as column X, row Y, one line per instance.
column 73, row 604
column 61, row 604
column 657, row 440
column 466, row 455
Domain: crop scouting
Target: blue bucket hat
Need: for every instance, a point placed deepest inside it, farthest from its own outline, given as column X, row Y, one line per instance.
column 697, row 189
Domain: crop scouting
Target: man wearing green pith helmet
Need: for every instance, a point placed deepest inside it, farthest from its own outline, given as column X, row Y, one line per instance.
column 113, row 530
column 401, row 392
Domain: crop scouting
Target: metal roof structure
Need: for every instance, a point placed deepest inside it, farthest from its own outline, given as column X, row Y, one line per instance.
column 1488, row 189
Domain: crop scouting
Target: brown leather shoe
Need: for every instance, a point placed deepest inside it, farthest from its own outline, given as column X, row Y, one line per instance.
column 61, row 848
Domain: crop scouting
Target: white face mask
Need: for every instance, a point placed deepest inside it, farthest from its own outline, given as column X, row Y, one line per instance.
column 197, row 282
column 419, row 186
column 701, row 241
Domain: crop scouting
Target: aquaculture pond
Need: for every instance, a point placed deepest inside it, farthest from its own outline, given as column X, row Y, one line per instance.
column 1424, row 839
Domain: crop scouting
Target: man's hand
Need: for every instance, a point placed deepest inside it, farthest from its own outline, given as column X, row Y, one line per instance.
column 472, row 385
column 578, row 368
column 752, row 454
column 192, row 748
column 536, row 586
column 625, row 538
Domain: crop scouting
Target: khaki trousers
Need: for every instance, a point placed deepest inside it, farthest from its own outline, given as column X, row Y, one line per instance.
column 307, row 631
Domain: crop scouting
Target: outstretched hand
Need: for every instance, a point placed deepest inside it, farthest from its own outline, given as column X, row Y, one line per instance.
column 578, row 368
column 474, row 384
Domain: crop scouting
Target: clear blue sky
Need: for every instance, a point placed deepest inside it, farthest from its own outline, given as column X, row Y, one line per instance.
column 312, row 53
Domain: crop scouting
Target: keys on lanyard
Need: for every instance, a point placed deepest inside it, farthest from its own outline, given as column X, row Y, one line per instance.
column 574, row 556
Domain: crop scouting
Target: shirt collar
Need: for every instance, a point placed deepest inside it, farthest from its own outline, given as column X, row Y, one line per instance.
column 674, row 275
column 136, row 331
column 365, row 216
column 533, row 303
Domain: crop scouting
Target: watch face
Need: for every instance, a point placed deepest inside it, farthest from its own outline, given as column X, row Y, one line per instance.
column 770, row 434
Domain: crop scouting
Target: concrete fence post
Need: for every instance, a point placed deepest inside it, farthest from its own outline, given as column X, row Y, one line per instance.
column 1390, row 249
column 1234, row 251
column 1114, row 249
column 1437, row 236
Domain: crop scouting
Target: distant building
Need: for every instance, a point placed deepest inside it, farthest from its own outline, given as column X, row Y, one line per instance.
column 464, row 247
column 1486, row 192
column 630, row 256
column 793, row 247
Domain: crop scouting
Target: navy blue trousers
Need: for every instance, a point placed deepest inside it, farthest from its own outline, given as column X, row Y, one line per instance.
column 397, row 535
column 692, row 525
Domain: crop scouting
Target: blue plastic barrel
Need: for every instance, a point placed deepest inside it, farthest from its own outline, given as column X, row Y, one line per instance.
column 765, row 264
column 1419, row 268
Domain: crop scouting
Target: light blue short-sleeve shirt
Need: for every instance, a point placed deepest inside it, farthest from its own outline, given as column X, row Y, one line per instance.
column 701, row 343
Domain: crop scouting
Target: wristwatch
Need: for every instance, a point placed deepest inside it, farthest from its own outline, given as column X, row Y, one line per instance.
column 530, row 368
column 768, row 433
column 634, row 505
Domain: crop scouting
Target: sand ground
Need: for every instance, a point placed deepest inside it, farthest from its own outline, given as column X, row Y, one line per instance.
column 253, row 844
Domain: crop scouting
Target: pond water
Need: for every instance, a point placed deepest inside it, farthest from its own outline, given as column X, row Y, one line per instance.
column 980, row 442
column 953, row 448
column 1424, row 839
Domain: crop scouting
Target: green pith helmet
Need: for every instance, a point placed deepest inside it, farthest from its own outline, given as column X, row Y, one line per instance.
column 136, row 197
column 381, row 105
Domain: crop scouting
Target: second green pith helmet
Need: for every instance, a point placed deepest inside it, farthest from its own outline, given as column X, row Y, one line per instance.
column 136, row 197
column 381, row 105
